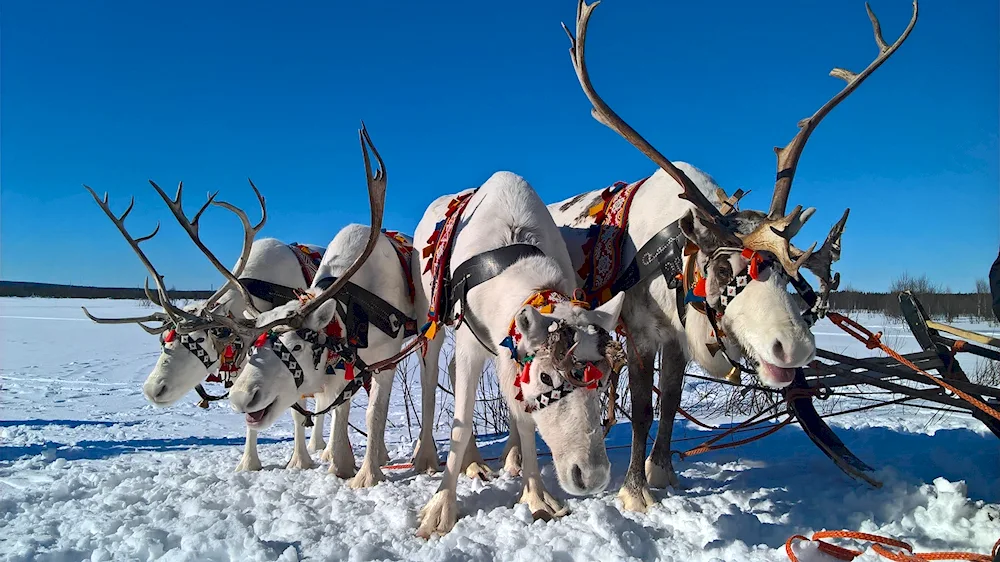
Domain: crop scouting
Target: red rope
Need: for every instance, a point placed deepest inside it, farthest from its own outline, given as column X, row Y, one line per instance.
column 892, row 549
column 874, row 341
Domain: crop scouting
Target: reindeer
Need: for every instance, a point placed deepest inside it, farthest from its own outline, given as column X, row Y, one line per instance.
column 309, row 345
column 268, row 272
column 512, row 275
column 685, row 226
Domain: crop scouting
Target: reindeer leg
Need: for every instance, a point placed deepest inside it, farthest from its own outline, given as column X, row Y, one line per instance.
column 376, row 455
column 634, row 492
column 250, row 461
column 339, row 451
column 425, row 457
column 540, row 502
column 316, row 442
column 300, row 454
column 511, row 456
column 659, row 466
column 441, row 512
column 474, row 466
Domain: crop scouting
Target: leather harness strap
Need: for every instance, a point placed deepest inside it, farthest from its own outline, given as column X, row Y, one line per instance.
column 359, row 306
column 479, row 269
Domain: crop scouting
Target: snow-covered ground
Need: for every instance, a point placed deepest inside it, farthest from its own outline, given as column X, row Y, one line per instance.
column 90, row 471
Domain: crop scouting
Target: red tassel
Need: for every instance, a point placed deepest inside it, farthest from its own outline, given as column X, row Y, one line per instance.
column 261, row 340
column 170, row 336
column 592, row 373
column 699, row 288
column 525, row 376
column 349, row 371
column 229, row 353
column 333, row 329
column 520, row 396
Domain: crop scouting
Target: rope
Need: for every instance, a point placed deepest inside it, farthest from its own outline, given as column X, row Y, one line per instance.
column 874, row 341
column 892, row 549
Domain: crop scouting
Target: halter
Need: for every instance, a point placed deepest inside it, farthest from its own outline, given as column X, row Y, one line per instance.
column 230, row 353
column 696, row 294
column 544, row 302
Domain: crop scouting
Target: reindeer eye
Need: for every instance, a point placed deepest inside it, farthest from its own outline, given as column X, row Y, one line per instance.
column 546, row 379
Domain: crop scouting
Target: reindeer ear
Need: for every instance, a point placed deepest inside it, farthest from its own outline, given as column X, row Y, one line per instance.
column 533, row 325
column 699, row 232
column 606, row 315
column 276, row 313
column 322, row 316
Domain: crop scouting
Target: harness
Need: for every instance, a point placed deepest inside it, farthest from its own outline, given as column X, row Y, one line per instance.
column 358, row 308
column 665, row 254
column 479, row 269
column 229, row 352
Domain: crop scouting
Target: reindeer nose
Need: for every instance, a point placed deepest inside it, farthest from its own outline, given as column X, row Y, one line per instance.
column 778, row 349
column 578, row 477
column 245, row 402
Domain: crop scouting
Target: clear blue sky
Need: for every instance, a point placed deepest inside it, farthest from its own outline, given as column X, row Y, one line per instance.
column 114, row 93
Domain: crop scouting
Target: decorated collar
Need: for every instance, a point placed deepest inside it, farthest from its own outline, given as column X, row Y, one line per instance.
column 695, row 281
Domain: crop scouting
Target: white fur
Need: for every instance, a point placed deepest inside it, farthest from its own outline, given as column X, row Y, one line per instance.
column 178, row 371
column 506, row 210
column 265, row 384
column 760, row 316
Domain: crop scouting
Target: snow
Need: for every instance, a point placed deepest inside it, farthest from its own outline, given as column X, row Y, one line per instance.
column 90, row 471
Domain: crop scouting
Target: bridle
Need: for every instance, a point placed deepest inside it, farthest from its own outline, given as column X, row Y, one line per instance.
column 581, row 374
column 230, row 351
column 696, row 293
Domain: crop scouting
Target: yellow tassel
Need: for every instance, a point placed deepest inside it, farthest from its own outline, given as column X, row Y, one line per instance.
column 431, row 331
column 547, row 309
column 593, row 211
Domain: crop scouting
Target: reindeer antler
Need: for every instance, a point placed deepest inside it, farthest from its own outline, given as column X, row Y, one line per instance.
column 774, row 234
column 820, row 262
column 192, row 229
column 174, row 315
column 605, row 115
column 376, row 198
column 788, row 157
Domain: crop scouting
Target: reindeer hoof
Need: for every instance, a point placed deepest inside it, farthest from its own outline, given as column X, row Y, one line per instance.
column 659, row 476
column 439, row 515
column 248, row 465
column 479, row 470
column 366, row 478
column 302, row 462
column 512, row 462
column 636, row 499
column 543, row 506
column 326, row 456
column 425, row 463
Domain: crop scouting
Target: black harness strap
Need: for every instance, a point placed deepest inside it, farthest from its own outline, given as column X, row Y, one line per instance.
column 663, row 253
column 479, row 269
column 359, row 306
column 269, row 292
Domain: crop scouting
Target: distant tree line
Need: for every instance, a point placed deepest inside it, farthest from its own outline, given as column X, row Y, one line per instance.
column 938, row 301
column 51, row 290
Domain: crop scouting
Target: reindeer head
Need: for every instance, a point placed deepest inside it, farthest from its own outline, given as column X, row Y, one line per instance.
column 291, row 343
column 571, row 354
column 746, row 259
column 193, row 339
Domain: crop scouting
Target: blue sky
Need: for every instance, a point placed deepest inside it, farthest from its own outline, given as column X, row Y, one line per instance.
column 112, row 94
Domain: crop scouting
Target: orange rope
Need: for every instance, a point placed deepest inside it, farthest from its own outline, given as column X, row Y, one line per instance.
column 874, row 341
column 902, row 552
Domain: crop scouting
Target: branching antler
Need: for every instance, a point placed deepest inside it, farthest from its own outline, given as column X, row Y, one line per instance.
column 605, row 115
column 820, row 262
column 775, row 233
column 192, row 229
column 788, row 157
column 154, row 317
column 174, row 315
column 376, row 197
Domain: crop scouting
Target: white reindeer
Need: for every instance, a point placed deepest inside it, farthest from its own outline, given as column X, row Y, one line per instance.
column 745, row 258
column 268, row 270
column 563, row 349
column 295, row 359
